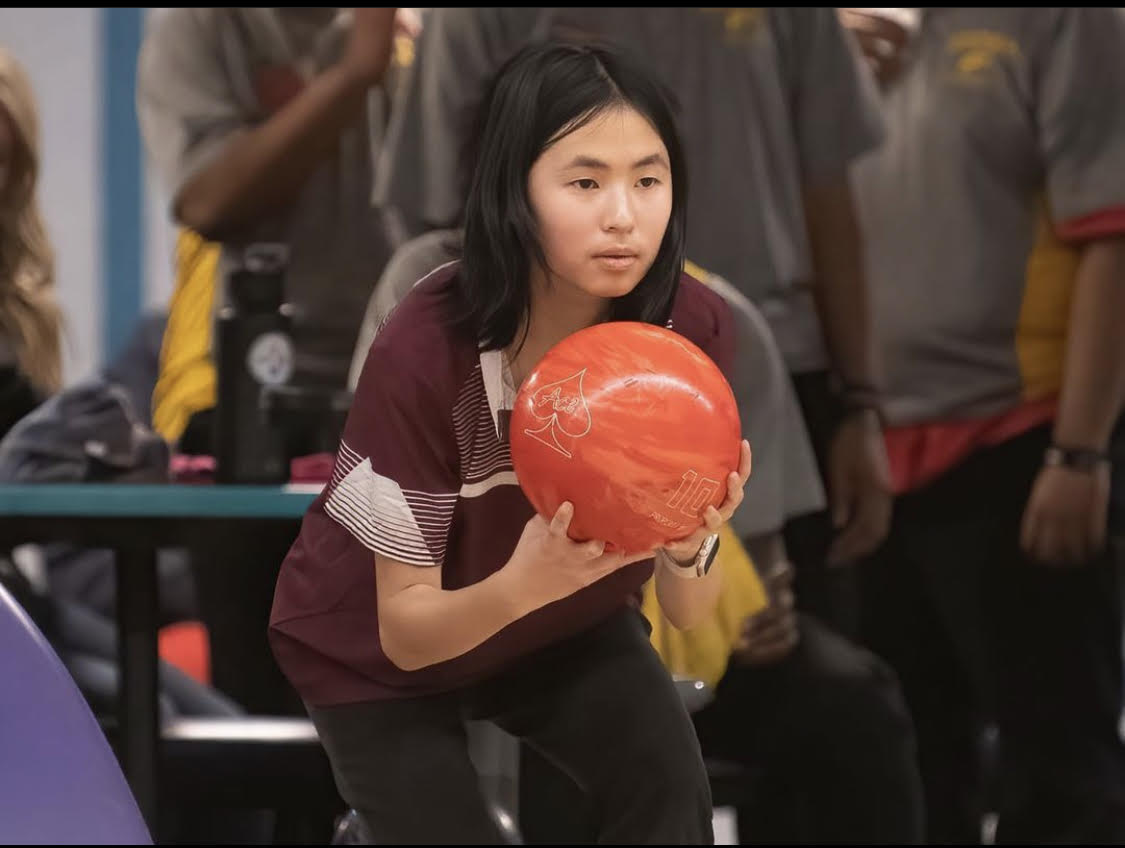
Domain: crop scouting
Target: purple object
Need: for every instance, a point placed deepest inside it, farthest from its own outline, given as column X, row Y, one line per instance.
column 59, row 780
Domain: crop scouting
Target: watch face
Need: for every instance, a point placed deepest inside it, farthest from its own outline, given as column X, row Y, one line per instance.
column 270, row 359
column 711, row 550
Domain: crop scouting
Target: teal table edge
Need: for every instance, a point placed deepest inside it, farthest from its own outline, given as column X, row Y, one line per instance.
column 167, row 514
column 128, row 500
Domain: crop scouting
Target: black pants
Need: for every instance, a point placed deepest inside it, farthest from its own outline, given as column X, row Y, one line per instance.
column 601, row 706
column 978, row 632
column 826, row 741
column 829, row 729
column 829, row 593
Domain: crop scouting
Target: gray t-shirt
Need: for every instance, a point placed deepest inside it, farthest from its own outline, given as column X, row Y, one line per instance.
column 784, row 482
column 769, row 99
column 1005, row 147
column 206, row 74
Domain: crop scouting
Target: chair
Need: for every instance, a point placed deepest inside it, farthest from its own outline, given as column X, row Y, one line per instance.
column 59, row 781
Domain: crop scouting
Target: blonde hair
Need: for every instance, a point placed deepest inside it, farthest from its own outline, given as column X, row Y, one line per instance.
column 30, row 318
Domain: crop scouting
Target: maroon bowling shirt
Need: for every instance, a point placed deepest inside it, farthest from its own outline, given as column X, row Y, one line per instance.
column 423, row 475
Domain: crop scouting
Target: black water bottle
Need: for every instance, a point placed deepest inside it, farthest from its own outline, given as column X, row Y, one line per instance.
column 253, row 353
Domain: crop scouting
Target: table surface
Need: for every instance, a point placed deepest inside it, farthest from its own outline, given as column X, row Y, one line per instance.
column 129, row 500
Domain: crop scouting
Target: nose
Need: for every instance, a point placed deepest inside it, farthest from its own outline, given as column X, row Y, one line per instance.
column 618, row 214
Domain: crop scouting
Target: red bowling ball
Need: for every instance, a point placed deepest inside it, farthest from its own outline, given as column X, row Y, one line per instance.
column 634, row 425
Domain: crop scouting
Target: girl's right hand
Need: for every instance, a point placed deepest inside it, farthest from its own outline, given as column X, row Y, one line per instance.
column 551, row 566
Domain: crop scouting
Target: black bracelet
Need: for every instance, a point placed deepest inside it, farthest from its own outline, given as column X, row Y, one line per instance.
column 1076, row 459
column 855, row 403
column 843, row 387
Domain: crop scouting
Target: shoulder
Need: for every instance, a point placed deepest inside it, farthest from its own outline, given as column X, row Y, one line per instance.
column 703, row 317
column 178, row 44
column 172, row 25
column 699, row 310
column 416, row 259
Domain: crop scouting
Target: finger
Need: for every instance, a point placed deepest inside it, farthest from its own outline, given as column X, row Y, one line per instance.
column 754, row 656
column 763, row 622
column 745, row 461
column 561, row 522
column 1029, row 529
column 890, row 67
column 842, row 494
column 1073, row 541
column 736, row 486
column 594, row 549
column 780, row 573
column 408, row 22
column 774, row 635
column 865, row 532
column 867, row 27
column 1097, row 532
column 1058, row 548
column 785, row 600
column 770, row 629
column 714, row 519
column 782, row 631
column 843, row 547
column 731, row 501
column 760, row 621
column 874, row 521
column 1046, row 550
column 778, row 642
column 763, row 653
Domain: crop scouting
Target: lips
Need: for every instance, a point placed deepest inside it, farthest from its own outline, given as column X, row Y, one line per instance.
column 616, row 261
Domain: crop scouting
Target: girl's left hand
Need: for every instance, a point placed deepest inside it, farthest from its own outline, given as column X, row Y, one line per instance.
column 684, row 551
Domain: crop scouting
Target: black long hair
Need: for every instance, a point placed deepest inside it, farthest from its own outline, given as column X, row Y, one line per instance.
column 544, row 92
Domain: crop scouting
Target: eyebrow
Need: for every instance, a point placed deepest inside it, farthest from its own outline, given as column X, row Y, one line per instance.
column 590, row 162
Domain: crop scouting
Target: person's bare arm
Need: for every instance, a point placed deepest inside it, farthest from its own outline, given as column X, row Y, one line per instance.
column 1094, row 379
column 422, row 624
column 264, row 167
column 858, row 471
column 840, row 285
column 1065, row 520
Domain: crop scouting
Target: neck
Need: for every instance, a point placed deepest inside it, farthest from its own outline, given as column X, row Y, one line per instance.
column 556, row 311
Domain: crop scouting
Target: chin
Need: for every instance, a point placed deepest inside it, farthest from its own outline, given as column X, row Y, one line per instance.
column 612, row 285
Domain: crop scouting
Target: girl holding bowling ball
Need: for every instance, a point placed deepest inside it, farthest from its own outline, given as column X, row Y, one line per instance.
column 423, row 590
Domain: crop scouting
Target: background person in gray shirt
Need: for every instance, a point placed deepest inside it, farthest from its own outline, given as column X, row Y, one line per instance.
column 996, row 235
column 263, row 124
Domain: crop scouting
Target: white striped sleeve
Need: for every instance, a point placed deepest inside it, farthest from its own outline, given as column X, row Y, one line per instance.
column 402, row 524
column 396, row 481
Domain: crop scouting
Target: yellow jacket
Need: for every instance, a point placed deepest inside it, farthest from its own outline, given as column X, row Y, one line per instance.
column 703, row 652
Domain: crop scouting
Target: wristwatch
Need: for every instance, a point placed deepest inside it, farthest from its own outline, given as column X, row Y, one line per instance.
column 699, row 566
column 1076, row 459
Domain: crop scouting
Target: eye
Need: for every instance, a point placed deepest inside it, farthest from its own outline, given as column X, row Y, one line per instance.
column 648, row 182
column 585, row 184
